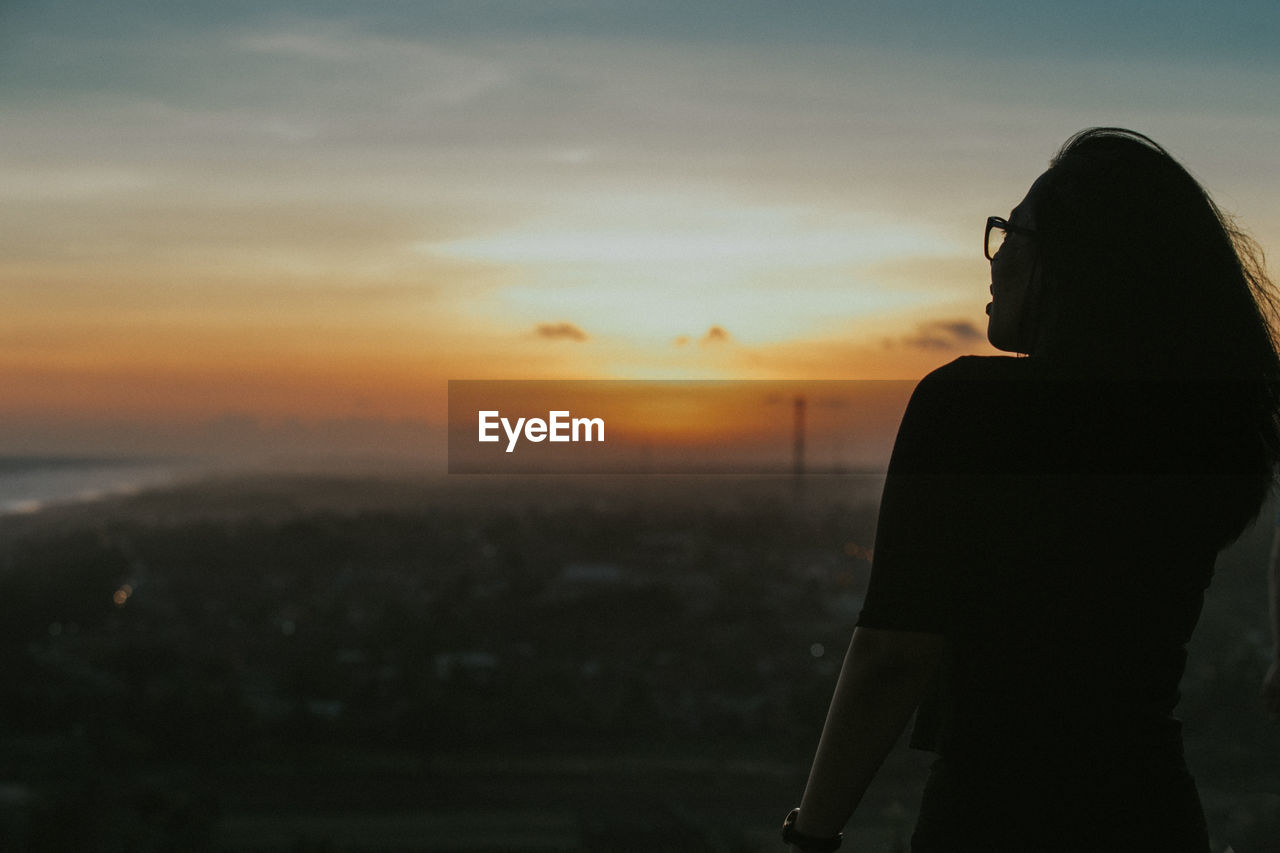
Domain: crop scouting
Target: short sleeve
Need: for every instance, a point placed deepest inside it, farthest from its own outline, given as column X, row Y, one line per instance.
column 920, row 545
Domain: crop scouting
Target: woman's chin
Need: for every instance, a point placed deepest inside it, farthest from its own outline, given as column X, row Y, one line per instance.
column 997, row 337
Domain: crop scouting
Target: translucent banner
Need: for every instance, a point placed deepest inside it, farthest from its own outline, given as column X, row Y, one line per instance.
column 671, row 427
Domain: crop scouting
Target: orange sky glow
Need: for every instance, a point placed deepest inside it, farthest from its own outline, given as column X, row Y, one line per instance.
column 311, row 222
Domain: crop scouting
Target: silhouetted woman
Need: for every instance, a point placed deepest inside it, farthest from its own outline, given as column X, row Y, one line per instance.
column 1049, row 524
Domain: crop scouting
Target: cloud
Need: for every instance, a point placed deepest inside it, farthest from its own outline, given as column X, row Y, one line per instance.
column 939, row 335
column 557, row 331
column 716, row 335
column 416, row 72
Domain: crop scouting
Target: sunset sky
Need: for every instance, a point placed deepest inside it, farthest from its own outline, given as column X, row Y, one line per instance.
column 223, row 217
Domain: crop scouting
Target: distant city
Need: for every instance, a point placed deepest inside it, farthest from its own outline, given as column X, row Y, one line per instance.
column 540, row 663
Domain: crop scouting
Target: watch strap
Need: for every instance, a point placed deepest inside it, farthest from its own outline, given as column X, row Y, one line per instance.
column 808, row 843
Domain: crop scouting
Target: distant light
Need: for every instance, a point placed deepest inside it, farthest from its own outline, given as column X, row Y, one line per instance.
column 856, row 551
column 817, row 650
column 120, row 596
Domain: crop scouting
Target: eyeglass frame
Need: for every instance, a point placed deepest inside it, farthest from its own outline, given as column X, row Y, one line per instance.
column 1005, row 226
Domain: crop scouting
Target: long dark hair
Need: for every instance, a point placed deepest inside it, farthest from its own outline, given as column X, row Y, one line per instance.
column 1143, row 275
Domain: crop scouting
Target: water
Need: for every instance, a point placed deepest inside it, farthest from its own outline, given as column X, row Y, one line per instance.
column 28, row 484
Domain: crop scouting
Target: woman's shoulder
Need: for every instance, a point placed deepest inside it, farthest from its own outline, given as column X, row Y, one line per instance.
column 971, row 378
column 955, row 406
column 972, row 408
column 980, row 367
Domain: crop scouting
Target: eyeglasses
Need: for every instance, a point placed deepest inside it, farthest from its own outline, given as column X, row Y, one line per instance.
column 997, row 229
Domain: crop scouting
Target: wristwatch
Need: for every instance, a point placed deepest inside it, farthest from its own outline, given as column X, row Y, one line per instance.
column 808, row 843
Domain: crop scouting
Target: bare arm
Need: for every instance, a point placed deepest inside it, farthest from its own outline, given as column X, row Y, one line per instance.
column 1271, row 685
column 885, row 674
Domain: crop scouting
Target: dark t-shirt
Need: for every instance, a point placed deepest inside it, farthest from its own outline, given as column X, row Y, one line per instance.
column 1060, row 533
